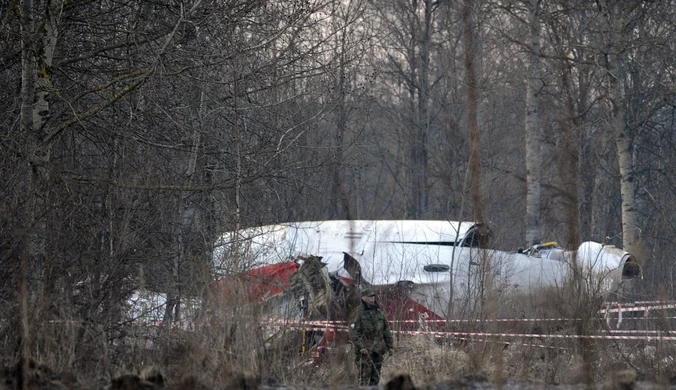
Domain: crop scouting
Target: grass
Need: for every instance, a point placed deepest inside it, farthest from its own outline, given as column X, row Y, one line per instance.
column 229, row 348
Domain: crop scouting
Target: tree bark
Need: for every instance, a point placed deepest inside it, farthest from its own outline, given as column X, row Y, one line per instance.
column 26, row 118
column 532, row 128
column 471, row 100
column 37, row 55
column 413, row 211
column 624, row 136
column 340, row 194
column 421, row 161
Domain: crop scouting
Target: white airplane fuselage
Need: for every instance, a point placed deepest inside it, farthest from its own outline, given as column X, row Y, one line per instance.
column 435, row 258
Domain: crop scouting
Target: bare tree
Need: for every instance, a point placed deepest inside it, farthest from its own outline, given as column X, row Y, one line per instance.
column 532, row 126
column 617, row 37
column 410, row 31
column 473, row 126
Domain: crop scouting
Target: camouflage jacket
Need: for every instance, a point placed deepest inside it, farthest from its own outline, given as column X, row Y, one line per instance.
column 369, row 329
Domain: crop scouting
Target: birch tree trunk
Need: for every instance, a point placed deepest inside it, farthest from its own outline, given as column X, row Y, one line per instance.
column 624, row 137
column 38, row 43
column 420, row 176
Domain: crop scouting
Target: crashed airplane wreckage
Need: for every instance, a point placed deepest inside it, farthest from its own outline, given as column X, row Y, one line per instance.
column 422, row 270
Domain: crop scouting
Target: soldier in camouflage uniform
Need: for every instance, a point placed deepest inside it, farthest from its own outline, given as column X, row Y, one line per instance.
column 370, row 334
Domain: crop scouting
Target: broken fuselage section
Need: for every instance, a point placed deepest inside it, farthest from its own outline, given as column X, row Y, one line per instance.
column 430, row 269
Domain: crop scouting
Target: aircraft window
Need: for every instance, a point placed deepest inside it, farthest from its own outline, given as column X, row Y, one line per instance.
column 474, row 235
column 437, row 268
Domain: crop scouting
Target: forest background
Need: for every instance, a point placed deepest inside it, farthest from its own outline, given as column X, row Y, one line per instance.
column 134, row 133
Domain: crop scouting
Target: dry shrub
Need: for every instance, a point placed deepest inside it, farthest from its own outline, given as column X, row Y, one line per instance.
column 190, row 382
column 228, row 346
column 153, row 378
column 242, row 382
column 39, row 376
column 131, row 382
column 622, row 380
column 428, row 361
column 400, row 381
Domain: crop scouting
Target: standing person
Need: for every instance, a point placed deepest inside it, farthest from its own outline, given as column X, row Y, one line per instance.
column 370, row 334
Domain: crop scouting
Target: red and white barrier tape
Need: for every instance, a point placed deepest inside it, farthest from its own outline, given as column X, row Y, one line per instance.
column 336, row 324
column 637, row 331
column 506, row 320
column 618, row 308
column 649, row 318
column 640, row 303
column 542, row 336
column 621, row 309
column 657, row 337
column 308, row 328
column 342, row 323
column 510, row 343
column 487, row 320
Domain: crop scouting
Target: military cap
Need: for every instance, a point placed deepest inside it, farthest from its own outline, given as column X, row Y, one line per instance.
column 367, row 292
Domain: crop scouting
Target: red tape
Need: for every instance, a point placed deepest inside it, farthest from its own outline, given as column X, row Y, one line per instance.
column 621, row 309
column 656, row 337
